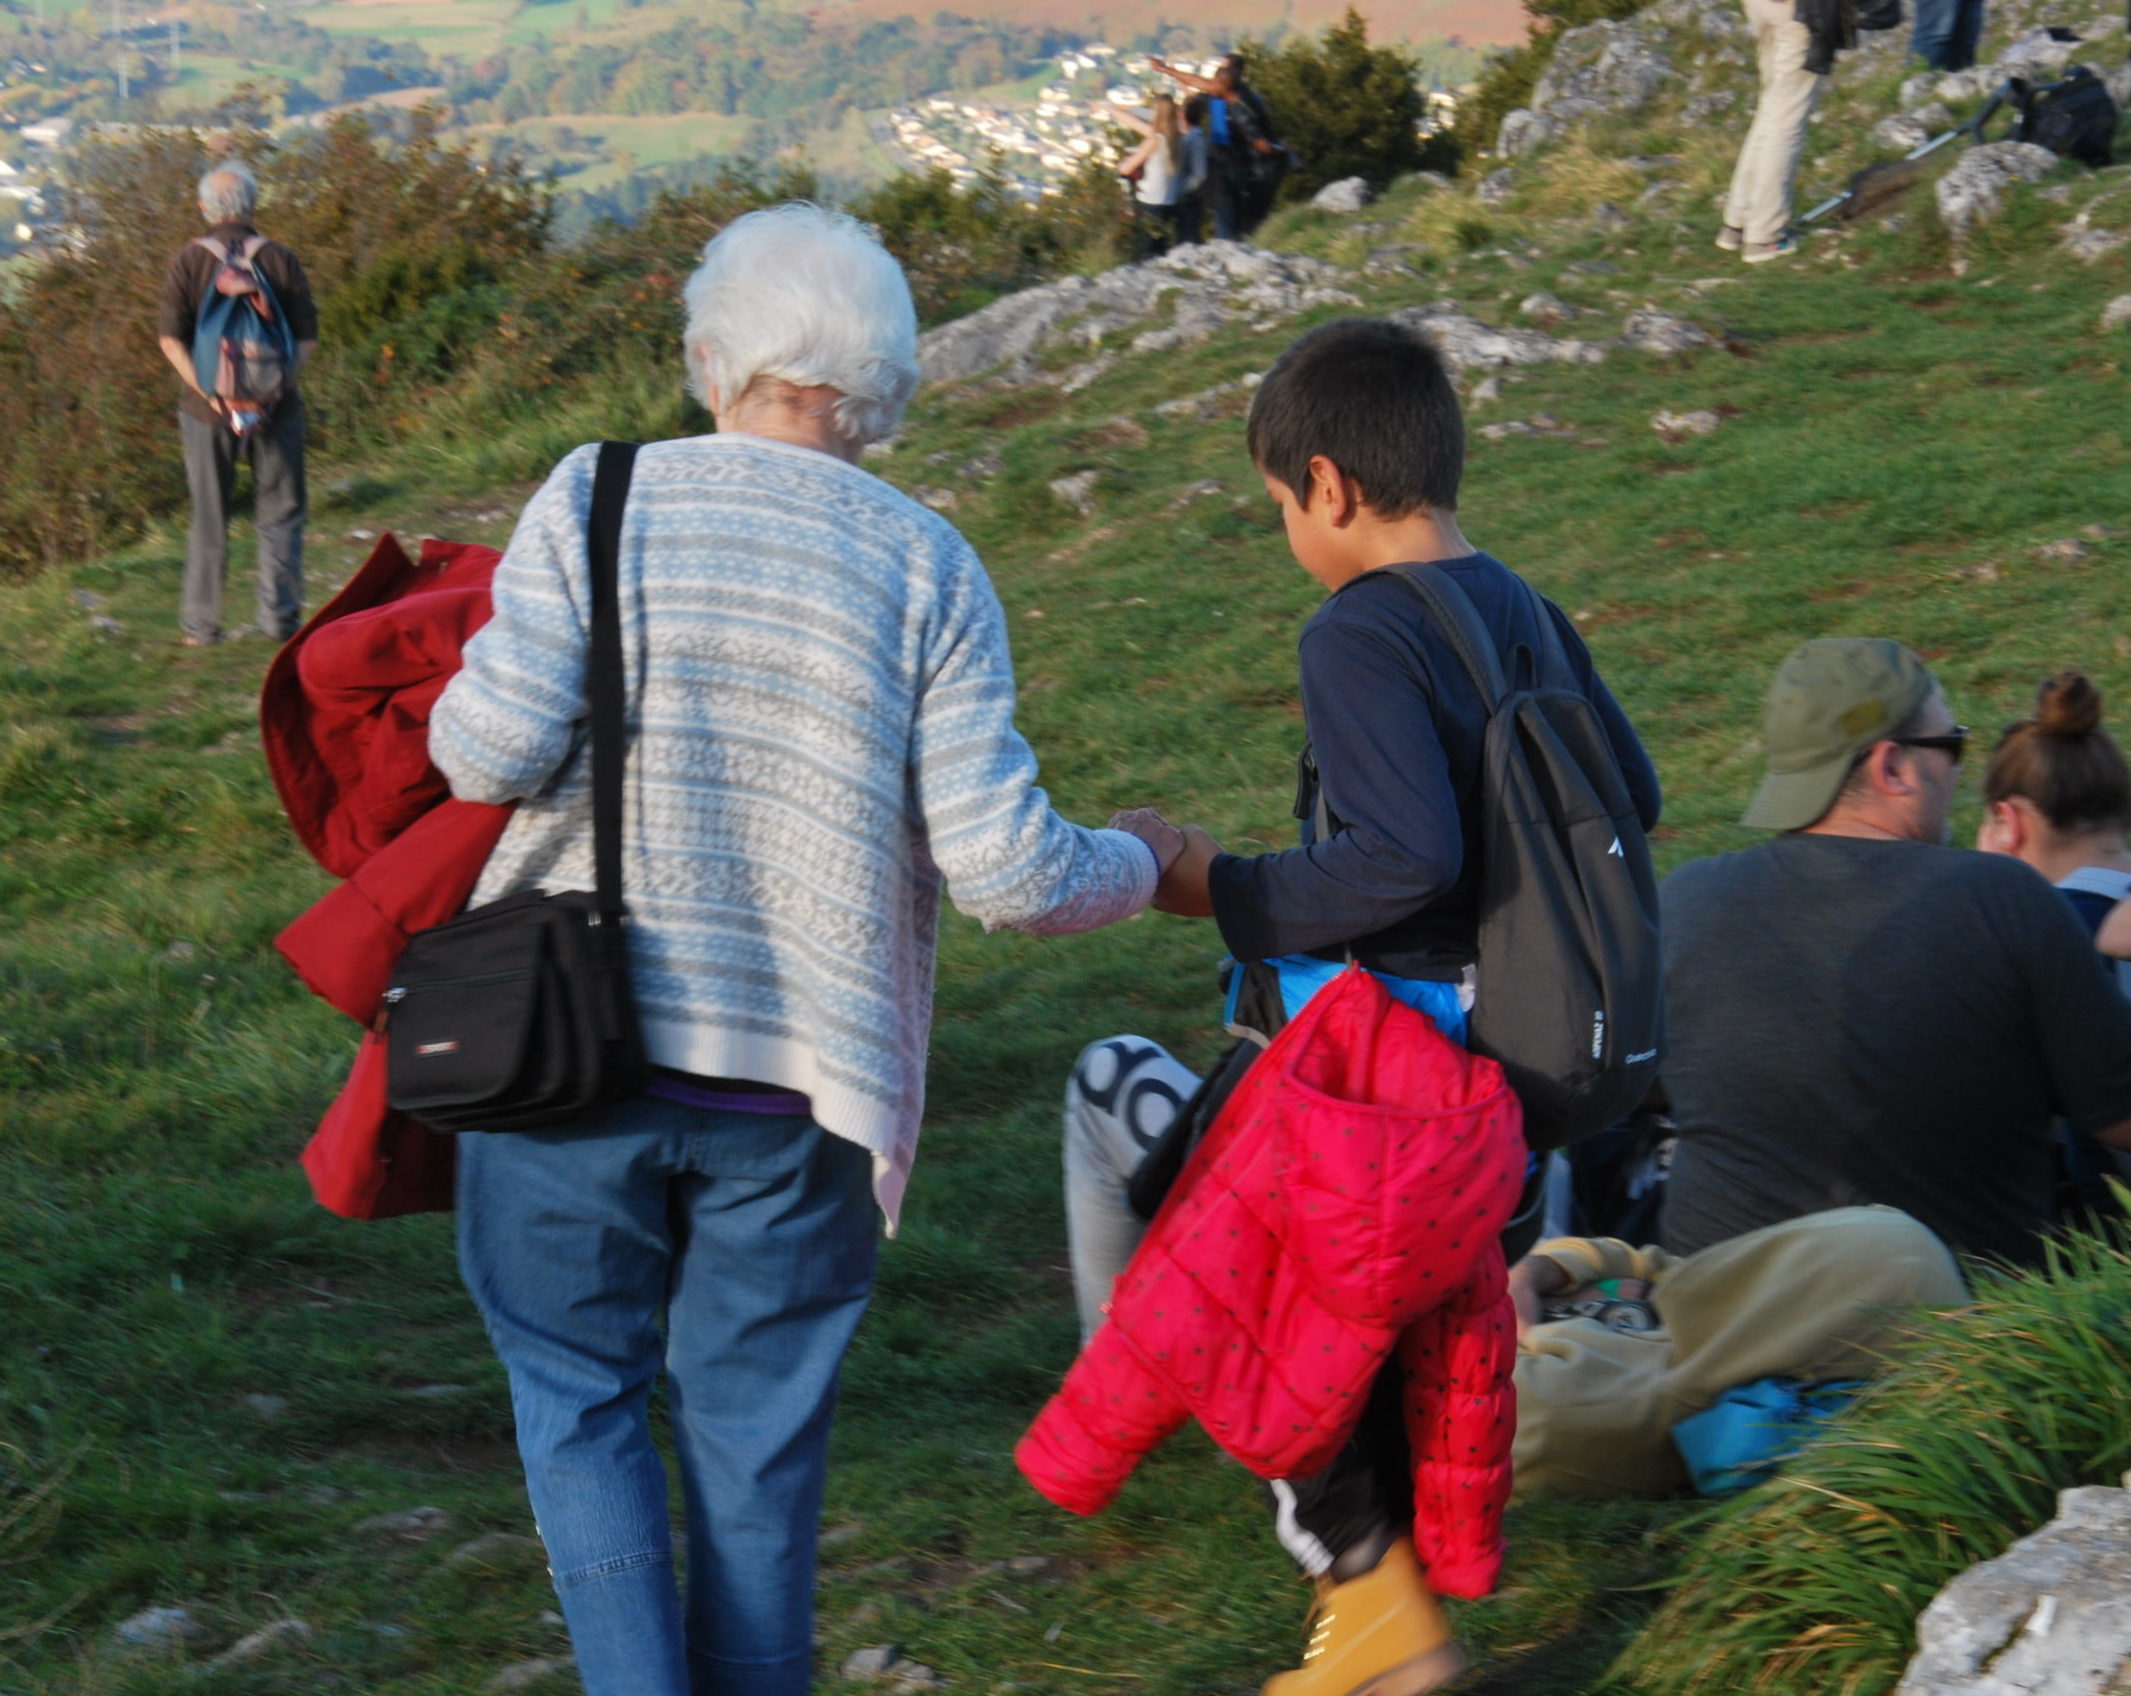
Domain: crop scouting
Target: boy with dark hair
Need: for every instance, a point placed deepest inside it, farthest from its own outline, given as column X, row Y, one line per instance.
column 1358, row 435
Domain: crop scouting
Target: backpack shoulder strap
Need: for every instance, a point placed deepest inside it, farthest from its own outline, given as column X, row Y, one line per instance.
column 250, row 251
column 220, row 252
column 604, row 671
column 1461, row 622
column 1556, row 671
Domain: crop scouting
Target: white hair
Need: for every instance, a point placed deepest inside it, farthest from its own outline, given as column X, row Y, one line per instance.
column 801, row 294
column 229, row 193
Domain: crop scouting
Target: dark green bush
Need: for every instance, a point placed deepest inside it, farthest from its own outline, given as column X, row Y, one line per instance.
column 1810, row 1585
column 1348, row 109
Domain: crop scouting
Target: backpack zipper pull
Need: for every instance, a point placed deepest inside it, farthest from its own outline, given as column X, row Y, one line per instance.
column 392, row 998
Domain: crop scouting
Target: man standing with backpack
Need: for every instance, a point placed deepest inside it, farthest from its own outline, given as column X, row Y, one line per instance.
column 236, row 321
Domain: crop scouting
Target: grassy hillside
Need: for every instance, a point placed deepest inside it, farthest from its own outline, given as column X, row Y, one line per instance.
column 207, row 1386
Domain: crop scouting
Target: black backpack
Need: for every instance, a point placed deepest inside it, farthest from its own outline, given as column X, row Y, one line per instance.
column 2074, row 118
column 1571, row 1000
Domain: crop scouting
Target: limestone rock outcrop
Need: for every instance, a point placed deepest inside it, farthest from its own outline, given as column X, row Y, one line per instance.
column 1973, row 192
column 1207, row 286
column 1615, row 68
column 1349, row 194
column 2049, row 1617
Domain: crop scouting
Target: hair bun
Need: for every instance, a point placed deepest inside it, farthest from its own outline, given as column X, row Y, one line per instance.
column 2068, row 705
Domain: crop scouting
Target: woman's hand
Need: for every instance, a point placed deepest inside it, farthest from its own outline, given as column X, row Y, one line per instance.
column 1150, row 827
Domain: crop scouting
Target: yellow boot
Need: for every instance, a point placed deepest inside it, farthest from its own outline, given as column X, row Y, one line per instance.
column 1382, row 1634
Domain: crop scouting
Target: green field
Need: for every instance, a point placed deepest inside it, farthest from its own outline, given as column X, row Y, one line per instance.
column 649, row 142
column 1901, row 445
column 463, row 26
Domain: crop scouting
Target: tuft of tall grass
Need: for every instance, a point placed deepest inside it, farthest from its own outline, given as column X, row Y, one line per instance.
column 1811, row 1584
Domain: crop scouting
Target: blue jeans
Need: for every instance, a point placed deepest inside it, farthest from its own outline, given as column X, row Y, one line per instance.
column 1946, row 32
column 753, row 1236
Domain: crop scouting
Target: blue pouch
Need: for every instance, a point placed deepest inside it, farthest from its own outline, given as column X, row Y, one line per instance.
column 1754, row 1428
column 1303, row 975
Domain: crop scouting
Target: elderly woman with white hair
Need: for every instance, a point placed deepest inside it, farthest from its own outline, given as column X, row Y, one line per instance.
column 820, row 702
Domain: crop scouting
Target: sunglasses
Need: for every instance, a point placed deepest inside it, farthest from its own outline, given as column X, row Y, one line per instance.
column 1954, row 742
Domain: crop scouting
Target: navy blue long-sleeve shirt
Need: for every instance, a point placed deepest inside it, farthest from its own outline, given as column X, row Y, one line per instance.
column 1396, row 733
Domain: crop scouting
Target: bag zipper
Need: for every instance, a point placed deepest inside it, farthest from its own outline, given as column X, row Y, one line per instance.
column 399, row 992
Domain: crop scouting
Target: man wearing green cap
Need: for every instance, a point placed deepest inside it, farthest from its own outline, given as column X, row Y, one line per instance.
column 1862, row 1014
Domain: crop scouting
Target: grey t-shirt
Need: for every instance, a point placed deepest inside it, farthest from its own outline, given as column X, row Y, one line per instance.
column 1858, row 1021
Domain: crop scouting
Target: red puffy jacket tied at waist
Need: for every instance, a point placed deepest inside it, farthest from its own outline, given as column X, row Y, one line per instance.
column 345, row 720
column 1342, row 1210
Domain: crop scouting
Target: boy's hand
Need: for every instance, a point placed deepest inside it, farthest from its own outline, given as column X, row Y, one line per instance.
column 1531, row 1280
column 1183, row 890
column 1151, row 828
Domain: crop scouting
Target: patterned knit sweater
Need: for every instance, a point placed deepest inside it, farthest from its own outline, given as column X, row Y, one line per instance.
column 821, row 713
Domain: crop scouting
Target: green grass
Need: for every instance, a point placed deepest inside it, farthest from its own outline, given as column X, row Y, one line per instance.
column 1892, row 428
column 1811, row 1582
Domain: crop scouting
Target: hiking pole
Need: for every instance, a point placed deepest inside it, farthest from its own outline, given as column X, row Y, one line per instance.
column 1889, row 173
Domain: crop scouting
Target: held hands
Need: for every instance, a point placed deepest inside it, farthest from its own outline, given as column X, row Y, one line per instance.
column 1150, row 827
column 1184, row 855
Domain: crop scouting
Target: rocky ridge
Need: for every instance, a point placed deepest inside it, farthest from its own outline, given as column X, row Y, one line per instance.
column 1683, row 63
column 1698, row 56
column 1204, row 289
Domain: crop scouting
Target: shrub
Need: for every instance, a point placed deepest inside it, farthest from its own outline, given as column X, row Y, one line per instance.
column 1347, row 108
column 1812, row 1582
column 963, row 248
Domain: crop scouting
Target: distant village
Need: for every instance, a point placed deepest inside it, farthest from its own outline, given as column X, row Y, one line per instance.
column 1039, row 147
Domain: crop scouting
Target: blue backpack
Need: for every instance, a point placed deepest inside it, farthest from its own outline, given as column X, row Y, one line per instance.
column 1754, row 1428
column 242, row 351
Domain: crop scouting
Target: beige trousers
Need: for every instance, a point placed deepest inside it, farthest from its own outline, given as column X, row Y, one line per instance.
column 1760, row 198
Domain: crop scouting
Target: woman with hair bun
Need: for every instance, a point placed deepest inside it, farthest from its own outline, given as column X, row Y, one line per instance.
column 2057, row 794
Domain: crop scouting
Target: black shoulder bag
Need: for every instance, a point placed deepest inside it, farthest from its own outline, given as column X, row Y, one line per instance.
column 519, row 1014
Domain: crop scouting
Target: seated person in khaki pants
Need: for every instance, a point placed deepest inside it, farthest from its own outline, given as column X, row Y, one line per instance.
column 1826, row 1296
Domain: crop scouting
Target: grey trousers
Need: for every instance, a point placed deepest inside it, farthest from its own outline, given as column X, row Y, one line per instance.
column 275, row 450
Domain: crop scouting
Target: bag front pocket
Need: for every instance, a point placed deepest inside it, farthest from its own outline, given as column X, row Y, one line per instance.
column 459, row 1038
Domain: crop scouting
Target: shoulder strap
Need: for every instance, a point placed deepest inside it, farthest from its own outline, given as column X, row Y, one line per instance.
column 1555, row 669
column 604, row 672
column 220, row 252
column 1462, row 623
column 252, row 247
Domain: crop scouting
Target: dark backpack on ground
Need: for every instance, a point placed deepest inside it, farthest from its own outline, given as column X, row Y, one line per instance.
column 1875, row 14
column 2074, row 118
column 1570, row 984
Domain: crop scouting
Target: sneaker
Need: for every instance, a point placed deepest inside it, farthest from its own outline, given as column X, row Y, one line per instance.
column 1382, row 1633
column 1761, row 252
column 1731, row 238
